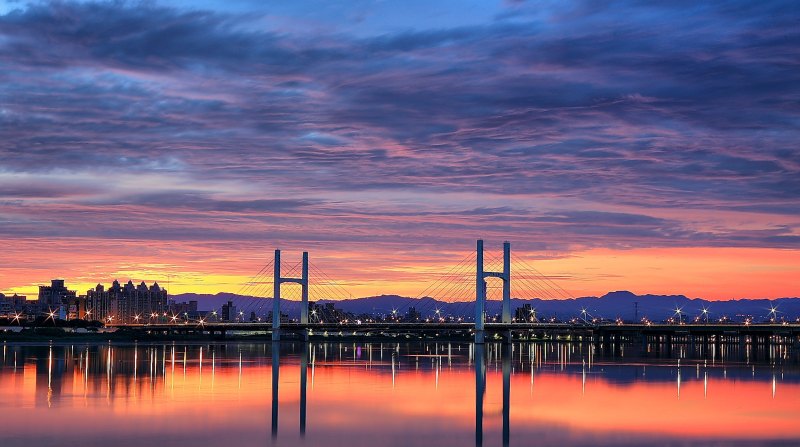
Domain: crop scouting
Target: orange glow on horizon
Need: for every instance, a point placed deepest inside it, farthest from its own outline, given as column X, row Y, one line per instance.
column 710, row 273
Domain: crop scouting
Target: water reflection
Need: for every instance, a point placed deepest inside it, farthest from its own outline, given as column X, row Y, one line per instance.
column 506, row 392
column 397, row 394
column 303, row 385
column 480, row 391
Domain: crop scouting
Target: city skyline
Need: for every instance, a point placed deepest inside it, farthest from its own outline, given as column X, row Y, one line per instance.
column 451, row 295
column 625, row 146
column 413, row 288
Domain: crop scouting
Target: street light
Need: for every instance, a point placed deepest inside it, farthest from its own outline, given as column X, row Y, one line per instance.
column 774, row 312
column 705, row 314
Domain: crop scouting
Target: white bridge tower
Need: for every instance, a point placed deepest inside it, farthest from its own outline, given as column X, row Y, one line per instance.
column 480, row 289
column 276, row 295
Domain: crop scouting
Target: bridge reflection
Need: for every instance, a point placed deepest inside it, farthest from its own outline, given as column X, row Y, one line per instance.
column 480, row 362
column 303, row 387
column 480, row 392
column 544, row 356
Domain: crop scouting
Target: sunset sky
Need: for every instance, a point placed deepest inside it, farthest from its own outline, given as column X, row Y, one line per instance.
column 652, row 146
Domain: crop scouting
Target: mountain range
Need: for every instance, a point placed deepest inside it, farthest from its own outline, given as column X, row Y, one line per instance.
column 619, row 304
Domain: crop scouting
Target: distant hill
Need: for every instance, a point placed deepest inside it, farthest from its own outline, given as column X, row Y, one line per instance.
column 619, row 304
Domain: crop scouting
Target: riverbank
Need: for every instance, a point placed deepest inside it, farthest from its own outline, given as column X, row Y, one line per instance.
column 59, row 335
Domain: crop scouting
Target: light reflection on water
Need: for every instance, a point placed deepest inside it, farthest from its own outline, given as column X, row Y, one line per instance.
column 327, row 394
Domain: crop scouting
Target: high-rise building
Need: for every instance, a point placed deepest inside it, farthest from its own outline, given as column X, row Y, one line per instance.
column 98, row 304
column 56, row 298
column 229, row 312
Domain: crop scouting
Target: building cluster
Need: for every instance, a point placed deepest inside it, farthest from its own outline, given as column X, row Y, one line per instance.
column 127, row 303
column 413, row 315
column 131, row 303
column 186, row 310
column 320, row 313
column 525, row 314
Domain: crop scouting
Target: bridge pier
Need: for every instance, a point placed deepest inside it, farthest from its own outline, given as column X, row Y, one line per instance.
column 669, row 345
column 742, row 347
column 704, row 343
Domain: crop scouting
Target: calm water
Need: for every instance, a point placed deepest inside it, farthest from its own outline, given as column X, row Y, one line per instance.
column 417, row 394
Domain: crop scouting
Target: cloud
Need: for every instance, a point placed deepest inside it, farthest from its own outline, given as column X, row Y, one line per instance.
column 589, row 124
column 197, row 202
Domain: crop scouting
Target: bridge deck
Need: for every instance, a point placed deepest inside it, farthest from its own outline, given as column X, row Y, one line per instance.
column 600, row 329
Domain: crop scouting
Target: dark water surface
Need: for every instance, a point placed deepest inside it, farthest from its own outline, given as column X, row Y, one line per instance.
column 406, row 394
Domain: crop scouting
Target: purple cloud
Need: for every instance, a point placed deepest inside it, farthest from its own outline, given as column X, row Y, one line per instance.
column 623, row 124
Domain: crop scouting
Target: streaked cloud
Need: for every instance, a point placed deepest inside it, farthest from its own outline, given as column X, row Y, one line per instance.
column 562, row 126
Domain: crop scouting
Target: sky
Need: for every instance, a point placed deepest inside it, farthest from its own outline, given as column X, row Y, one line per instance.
column 649, row 146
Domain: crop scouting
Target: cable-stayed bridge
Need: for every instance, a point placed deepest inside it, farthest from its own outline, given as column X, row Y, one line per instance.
column 456, row 289
column 471, row 299
column 277, row 299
